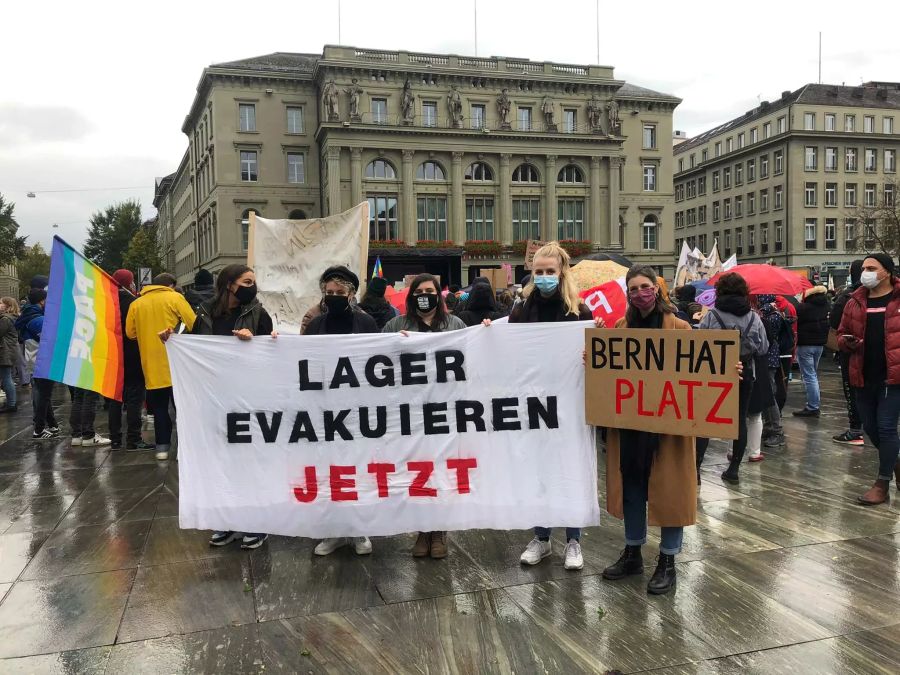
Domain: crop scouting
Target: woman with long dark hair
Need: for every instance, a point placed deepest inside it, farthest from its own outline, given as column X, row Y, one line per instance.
column 233, row 310
column 733, row 312
column 426, row 313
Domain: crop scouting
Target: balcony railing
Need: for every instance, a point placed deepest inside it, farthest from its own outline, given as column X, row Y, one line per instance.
column 489, row 125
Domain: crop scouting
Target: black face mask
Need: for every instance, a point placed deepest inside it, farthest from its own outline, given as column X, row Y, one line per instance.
column 426, row 302
column 245, row 294
column 337, row 303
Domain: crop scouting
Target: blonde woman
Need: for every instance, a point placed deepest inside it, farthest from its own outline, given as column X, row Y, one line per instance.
column 9, row 350
column 552, row 295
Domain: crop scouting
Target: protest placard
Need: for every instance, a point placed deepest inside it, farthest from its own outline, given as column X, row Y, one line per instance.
column 356, row 435
column 678, row 382
column 532, row 247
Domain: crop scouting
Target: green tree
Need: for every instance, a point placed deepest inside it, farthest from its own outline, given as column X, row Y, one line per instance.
column 143, row 251
column 111, row 232
column 34, row 262
column 12, row 246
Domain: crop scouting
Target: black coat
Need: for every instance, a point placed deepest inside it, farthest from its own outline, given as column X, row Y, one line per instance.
column 538, row 309
column 360, row 323
column 199, row 294
column 812, row 318
column 132, row 355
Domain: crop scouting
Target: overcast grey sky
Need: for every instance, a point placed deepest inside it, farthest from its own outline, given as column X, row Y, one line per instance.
column 94, row 92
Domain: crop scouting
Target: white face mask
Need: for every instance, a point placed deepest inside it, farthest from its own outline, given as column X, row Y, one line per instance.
column 869, row 279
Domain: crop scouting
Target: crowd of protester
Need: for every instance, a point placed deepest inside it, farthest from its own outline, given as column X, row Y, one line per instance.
column 650, row 478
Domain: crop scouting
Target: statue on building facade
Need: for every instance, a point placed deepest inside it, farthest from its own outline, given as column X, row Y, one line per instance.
column 355, row 93
column 595, row 113
column 503, row 107
column 612, row 112
column 407, row 103
column 547, row 109
column 454, row 104
column 330, row 101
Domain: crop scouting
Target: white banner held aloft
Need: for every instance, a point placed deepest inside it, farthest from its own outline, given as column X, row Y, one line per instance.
column 358, row 435
column 289, row 256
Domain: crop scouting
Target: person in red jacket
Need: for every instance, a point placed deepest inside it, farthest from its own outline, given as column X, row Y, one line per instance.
column 870, row 332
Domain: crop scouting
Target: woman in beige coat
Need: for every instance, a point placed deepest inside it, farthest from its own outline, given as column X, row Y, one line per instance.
column 647, row 471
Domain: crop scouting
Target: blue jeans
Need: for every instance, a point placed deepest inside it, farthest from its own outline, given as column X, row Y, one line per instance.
column 879, row 408
column 634, row 503
column 808, row 357
column 8, row 386
column 543, row 533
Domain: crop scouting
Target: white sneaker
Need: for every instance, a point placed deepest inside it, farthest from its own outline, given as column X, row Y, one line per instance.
column 362, row 545
column 329, row 546
column 574, row 559
column 162, row 455
column 76, row 440
column 536, row 551
column 95, row 441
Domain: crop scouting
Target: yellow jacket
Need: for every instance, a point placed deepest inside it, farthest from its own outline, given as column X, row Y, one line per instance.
column 157, row 308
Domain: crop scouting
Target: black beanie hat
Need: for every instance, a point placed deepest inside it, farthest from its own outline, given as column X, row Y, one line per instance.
column 686, row 293
column 339, row 272
column 886, row 261
column 378, row 286
column 203, row 278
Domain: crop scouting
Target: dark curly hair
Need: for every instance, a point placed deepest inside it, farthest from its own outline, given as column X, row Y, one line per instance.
column 732, row 283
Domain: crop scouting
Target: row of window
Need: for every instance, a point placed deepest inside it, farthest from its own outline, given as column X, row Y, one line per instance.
column 722, row 178
column 741, row 143
column 293, row 118
column 870, row 194
column 296, row 166
column 432, row 222
column 726, row 242
column 870, row 164
column 810, row 123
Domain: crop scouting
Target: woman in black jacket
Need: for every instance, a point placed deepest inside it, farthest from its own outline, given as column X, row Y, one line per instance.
column 552, row 295
column 375, row 305
column 233, row 310
column 812, row 334
column 481, row 306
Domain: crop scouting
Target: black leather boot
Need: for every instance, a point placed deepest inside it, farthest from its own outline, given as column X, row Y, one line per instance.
column 663, row 579
column 630, row 562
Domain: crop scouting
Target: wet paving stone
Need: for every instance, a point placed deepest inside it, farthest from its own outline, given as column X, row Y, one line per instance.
column 39, row 617
column 74, row 662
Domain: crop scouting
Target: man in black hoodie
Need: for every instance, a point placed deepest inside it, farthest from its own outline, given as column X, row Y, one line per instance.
column 812, row 334
column 854, row 434
column 202, row 291
column 133, row 391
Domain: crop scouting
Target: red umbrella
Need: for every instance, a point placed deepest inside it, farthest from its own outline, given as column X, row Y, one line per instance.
column 768, row 279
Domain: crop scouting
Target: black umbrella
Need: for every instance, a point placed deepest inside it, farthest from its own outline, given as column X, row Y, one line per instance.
column 617, row 258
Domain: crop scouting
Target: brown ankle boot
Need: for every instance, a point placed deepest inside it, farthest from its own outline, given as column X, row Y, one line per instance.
column 438, row 545
column 422, row 545
column 877, row 494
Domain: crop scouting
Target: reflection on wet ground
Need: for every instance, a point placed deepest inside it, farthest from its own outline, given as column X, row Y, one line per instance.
column 783, row 573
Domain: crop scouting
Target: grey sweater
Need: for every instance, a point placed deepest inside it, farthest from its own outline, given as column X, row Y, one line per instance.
column 399, row 323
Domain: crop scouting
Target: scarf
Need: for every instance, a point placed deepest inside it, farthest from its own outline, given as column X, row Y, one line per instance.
column 637, row 448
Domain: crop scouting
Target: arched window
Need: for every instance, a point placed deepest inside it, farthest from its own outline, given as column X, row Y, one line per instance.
column 649, row 233
column 525, row 173
column 479, row 171
column 297, row 214
column 430, row 171
column 570, row 174
column 380, row 168
column 245, row 228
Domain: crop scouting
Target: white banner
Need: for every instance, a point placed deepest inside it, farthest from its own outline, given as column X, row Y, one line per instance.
column 358, row 435
column 289, row 256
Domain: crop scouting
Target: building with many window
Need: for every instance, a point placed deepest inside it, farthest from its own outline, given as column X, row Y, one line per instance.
column 782, row 183
column 9, row 281
column 448, row 151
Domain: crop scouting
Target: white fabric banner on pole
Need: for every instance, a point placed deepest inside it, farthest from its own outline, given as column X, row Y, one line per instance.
column 289, row 256
column 358, row 435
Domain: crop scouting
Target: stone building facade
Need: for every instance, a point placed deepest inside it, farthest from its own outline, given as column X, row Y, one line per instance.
column 784, row 182
column 448, row 150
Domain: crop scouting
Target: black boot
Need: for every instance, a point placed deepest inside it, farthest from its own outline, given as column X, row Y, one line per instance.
column 663, row 579
column 630, row 562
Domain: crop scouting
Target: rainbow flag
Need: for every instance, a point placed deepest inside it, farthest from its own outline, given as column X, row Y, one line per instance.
column 81, row 341
column 378, row 271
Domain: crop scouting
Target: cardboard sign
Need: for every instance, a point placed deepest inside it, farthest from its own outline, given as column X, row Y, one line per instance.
column 531, row 248
column 677, row 382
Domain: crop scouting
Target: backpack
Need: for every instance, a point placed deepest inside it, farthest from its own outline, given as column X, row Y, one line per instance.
column 785, row 337
column 747, row 348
